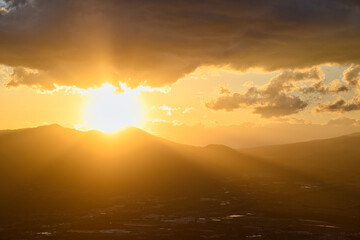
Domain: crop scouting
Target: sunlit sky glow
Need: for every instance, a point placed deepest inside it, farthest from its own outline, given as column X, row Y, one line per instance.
column 108, row 111
column 238, row 74
column 175, row 112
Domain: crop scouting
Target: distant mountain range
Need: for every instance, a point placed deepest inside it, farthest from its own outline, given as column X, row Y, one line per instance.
column 335, row 159
column 52, row 166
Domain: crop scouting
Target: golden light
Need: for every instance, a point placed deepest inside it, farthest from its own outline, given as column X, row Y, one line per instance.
column 108, row 111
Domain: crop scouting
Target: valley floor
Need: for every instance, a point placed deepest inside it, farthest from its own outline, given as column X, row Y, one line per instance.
column 262, row 210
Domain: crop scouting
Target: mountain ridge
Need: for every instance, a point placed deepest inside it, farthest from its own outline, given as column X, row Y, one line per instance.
column 51, row 169
column 130, row 130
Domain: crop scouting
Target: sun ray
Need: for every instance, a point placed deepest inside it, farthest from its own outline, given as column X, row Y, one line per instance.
column 109, row 111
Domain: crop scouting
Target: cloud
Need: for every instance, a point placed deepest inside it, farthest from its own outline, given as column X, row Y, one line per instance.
column 339, row 105
column 157, row 120
column 286, row 79
column 232, row 101
column 11, row 4
column 88, row 43
column 224, row 90
column 319, row 87
column 281, row 105
column 3, row 11
column 188, row 109
column 167, row 109
column 352, row 75
column 25, row 76
column 272, row 100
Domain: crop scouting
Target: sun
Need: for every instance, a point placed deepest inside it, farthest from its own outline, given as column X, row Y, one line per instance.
column 108, row 111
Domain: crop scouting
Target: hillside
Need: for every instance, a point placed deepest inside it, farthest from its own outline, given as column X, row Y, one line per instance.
column 59, row 183
column 52, row 162
column 336, row 159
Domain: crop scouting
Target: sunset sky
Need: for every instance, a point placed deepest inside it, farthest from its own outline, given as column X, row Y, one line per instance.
column 241, row 73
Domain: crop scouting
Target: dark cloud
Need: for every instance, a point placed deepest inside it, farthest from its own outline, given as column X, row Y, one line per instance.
column 281, row 105
column 230, row 102
column 320, row 87
column 86, row 43
column 11, row 4
column 22, row 76
column 340, row 105
column 273, row 100
column 224, row 90
column 286, row 79
column 352, row 75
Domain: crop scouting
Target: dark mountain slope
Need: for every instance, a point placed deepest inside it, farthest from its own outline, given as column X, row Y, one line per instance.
column 53, row 166
column 336, row 159
column 73, row 185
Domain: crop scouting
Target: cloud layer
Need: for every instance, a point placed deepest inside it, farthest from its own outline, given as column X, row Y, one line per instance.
column 340, row 105
column 352, row 77
column 86, row 43
column 274, row 99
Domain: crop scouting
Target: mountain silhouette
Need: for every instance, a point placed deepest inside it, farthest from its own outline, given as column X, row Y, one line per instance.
column 51, row 169
column 336, row 159
column 65, row 166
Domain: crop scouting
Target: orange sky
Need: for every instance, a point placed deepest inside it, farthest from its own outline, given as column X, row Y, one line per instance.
column 239, row 74
column 179, row 112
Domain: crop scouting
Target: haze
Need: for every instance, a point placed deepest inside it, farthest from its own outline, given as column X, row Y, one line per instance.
column 238, row 119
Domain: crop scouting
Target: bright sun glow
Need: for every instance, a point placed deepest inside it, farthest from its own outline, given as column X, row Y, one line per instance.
column 108, row 111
